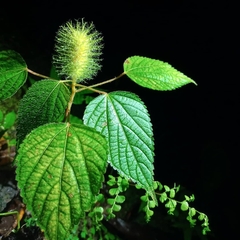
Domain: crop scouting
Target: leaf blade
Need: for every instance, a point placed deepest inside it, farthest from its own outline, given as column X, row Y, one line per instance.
column 154, row 74
column 45, row 102
column 123, row 119
column 13, row 73
column 58, row 186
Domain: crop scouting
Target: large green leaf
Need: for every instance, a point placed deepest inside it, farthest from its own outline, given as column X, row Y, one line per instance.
column 154, row 74
column 124, row 120
column 60, row 168
column 46, row 101
column 13, row 73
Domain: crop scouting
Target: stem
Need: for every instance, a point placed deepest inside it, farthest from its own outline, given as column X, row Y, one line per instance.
column 92, row 87
column 108, row 81
column 38, row 74
column 83, row 87
column 67, row 114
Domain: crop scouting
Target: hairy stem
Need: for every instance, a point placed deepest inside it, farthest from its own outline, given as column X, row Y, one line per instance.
column 68, row 110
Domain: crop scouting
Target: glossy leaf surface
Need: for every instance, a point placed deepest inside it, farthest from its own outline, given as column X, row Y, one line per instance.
column 123, row 119
column 154, row 74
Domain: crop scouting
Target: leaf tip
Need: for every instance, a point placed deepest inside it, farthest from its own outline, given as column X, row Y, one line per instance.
column 194, row 82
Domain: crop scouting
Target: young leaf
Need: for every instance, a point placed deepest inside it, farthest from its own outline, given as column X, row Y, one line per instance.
column 144, row 198
column 120, row 199
column 163, row 197
column 149, row 213
column 160, row 186
column 116, row 208
column 45, row 102
column 123, row 119
column 152, row 204
column 187, row 198
column 60, row 168
column 123, row 185
column 192, row 212
column 154, row 74
column 13, row 73
column 113, row 191
column 111, row 201
column 172, row 193
column 167, row 188
column 201, row 216
column 184, row 206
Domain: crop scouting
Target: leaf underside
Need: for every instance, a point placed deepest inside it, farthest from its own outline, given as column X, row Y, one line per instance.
column 13, row 73
column 154, row 74
column 60, row 168
column 46, row 101
column 123, row 119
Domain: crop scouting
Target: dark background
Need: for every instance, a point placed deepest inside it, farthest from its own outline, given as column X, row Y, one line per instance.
column 196, row 128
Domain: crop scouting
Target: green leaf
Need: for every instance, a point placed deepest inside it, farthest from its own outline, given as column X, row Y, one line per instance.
column 111, row 201
column 201, row 217
column 167, row 188
column 149, row 213
column 99, row 198
column 98, row 209
column 1, row 116
column 13, row 73
column 80, row 97
column 172, row 193
column 53, row 73
column 154, row 74
column 75, row 119
column 45, row 102
column 191, row 221
column 160, row 186
column 123, row 185
column 152, row 204
column 163, row 197
column 123, row 119
column 9, row 120
column 205, row 230
column 60, row 168
column 144, row 198
column 111, row 182
column 184, row 206
column 192, row 212
column 120, row 198
column 178, row 188
column 113, row 191
column 171, row 204
column 187, row 198
column 116, row 208
column 192, row 198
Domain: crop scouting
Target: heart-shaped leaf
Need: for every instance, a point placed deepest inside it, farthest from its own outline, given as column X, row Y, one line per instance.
column 123, row 119
column 60, row 168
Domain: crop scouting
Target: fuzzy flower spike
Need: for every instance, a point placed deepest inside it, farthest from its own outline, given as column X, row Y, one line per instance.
column 78, row 47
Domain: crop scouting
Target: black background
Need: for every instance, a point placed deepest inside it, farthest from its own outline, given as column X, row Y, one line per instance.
column 196, row 128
